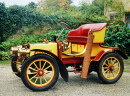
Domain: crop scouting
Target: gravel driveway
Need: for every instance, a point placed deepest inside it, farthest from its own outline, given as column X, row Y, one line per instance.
column 11, row 85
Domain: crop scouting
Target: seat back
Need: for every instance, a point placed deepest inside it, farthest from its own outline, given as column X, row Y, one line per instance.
column 80, row 35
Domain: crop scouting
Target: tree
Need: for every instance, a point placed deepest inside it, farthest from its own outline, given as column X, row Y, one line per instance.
column 32, row 5
column 50, row 6
column 116, row 6
column 3, row 21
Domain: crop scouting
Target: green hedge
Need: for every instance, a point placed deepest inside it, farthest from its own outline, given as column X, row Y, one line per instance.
column 15, row 17
column 118, row 35
column 115, row 35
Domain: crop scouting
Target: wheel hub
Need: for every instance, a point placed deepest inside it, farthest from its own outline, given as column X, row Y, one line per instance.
column 40, row 72
column 111, row 68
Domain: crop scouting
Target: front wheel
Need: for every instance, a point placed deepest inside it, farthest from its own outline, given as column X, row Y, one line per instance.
column 40, row 72
column 110, row 68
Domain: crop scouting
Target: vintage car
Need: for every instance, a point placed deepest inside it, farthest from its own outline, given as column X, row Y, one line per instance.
column 39, row 64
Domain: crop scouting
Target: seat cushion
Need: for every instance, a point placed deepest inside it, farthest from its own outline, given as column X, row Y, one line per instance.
column 80, row 35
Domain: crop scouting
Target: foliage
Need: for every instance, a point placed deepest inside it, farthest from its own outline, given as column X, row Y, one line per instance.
column 5, row 55
column 25, row 38
column 14, row 17
column 97, row 7
column 118, row 35
column 32, row 5
column 50, row 6
column 3, row 22
column 116, row 5
column 115, row 35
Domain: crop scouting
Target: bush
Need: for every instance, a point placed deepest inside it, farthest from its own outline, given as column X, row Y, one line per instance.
column 25, row 38
column 5, row 55
column 118, row 35
column 14, row 17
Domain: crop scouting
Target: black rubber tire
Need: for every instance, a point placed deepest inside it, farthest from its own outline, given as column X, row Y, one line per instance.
column 14, row 66
column 100, row 73
column 28, row 62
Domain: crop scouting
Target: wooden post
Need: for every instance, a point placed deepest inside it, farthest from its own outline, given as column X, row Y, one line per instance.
column 87, row 61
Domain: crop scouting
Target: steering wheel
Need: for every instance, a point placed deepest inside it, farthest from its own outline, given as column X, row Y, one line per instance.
column 66, row 26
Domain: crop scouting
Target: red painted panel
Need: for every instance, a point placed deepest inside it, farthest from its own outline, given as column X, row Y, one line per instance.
column 72, row 60
column 59, row 49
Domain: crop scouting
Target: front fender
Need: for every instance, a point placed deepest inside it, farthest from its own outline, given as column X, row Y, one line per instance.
column 63, row 70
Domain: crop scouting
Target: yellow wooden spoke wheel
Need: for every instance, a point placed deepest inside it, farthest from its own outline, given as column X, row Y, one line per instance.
column 110, row 68
column 40, row 72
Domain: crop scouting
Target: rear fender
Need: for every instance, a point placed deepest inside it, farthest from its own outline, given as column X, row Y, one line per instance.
column 63, row 70
column 103, row 52
column 99, row 56
column 121, row 53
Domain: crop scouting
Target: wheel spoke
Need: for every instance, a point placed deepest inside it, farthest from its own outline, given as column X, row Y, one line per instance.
column 40, row 80
column 105, row 71
column 113, row 74
column 107, row 61
column 47, row 75
column 36, row 80
column 33, row 77
column 47, row 71
column 35, row 65
column 32, row 73
column 115, row 64
column 40, row 64
column 44, row 78
column 18, row 63
column 44, row 65
column 115, row 71
column 105, row 67
column 33, row 69
column 111, row 60
column 106, row 64
column 109, row 74
column 47, row 67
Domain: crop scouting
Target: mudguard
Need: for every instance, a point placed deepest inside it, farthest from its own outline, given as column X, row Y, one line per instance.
column 99, row 56
column 103, row 52
column 63, row 70
column 121, row 53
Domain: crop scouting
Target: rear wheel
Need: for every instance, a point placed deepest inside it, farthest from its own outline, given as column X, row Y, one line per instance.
column 40, row 72
column 110, row 68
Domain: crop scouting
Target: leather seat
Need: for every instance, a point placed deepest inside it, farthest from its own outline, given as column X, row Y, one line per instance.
column 80, row 35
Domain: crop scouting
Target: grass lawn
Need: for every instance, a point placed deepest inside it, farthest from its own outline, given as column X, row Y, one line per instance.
column 127, row 65
column 5, row 62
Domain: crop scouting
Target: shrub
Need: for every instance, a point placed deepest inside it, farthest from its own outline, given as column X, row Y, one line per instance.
column 118, row 35
column 5, row 55
column 25, row 38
